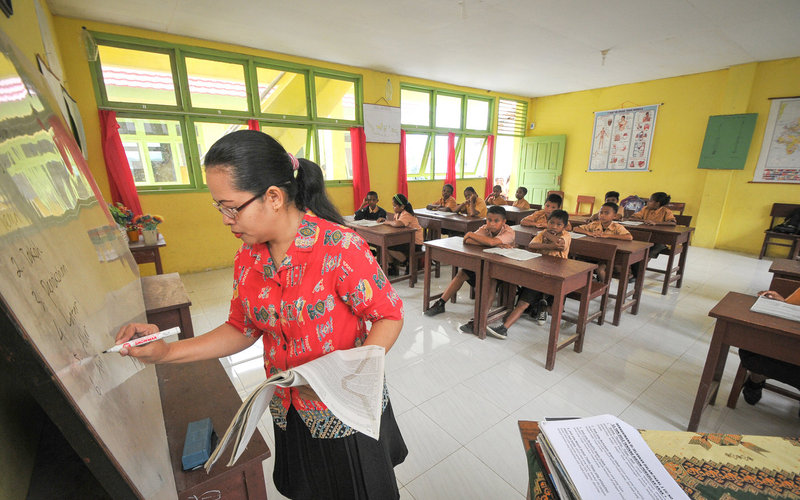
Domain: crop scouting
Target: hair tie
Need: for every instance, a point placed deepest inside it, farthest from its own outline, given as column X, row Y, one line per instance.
column 295, row 161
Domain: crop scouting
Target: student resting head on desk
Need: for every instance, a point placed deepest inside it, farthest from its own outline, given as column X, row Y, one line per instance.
column 495, row 233
column 611, row 197
column 369, row 209
column 605, row 227
column 539, row 218
column 447, row 203
column 497, row 197
column 521, row 202
column 553, row 241
column 403, row 217
column 762, row 367
column 473, row 205
column 291, row 232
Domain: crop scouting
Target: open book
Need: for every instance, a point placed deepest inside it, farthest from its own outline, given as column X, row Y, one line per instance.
column 603, row 457
column 349, row 382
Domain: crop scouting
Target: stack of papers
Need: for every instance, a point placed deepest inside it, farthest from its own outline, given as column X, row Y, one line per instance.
column 574, row 235
column 776, row 308
column 365, row 223
column 513, row 253
column 631, row 223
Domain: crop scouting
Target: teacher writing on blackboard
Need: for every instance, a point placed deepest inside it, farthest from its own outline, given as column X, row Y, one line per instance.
column 305, row 285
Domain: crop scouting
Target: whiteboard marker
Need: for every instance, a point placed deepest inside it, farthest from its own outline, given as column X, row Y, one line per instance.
column 144, row 340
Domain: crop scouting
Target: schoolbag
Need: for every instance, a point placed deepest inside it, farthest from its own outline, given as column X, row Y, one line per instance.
column 790, row 225
column 632, row 202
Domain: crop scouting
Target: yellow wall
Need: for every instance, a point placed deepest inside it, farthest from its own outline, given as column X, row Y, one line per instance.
column 729, row 212
column 196, row 239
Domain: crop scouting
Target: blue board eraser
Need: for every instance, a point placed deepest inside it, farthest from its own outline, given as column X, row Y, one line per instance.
column 197, row 446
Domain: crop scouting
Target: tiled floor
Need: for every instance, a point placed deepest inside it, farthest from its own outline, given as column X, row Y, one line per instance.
column 458, row 399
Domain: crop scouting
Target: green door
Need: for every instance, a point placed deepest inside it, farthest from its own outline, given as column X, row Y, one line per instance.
column 542, row 161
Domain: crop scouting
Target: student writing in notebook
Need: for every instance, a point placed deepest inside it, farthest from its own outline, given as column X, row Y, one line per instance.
column 554, row 241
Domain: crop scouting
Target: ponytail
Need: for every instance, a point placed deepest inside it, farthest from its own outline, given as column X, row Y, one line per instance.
column 311, row 194
column 401, row 200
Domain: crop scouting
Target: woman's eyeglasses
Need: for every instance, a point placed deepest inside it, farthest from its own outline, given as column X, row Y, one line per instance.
column 234, row 212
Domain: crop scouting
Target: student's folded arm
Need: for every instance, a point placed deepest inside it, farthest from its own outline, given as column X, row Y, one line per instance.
column 581, row 229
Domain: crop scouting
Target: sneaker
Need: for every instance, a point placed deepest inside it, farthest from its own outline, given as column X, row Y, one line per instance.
column 541, row 315
column 467, row 327
column 498, row 332
column 436, row 308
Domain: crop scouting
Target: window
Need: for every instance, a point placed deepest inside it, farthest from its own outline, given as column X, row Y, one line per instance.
column 173, row 102
column 466, row 116
column 511, row 119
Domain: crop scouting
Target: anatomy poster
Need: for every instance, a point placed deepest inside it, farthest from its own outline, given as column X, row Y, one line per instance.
column 622, row 138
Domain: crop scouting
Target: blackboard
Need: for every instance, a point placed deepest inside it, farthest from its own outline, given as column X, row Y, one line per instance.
column 67, row 283
column 727, row 141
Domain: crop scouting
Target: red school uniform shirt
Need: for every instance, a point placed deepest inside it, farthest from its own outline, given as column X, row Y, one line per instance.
column 317, row 300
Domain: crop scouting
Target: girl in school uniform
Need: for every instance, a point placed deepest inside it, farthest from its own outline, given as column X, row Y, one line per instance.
column 403, row 217
column 304, row 285
column 656, row 213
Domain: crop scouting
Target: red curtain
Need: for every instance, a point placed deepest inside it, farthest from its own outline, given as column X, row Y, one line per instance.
column 489, row 165
column 402, row 178
column 253, row 125
column 450, row 176
column 358, row 145
column 120, row 177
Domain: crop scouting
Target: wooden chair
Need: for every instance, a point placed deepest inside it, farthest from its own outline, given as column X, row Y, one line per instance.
column 677, row 207
column 780, row 211
column 640, row 235
column 431, row 230
column 584, row 200
column 601, row 253
column 738, row 383
column 683, row 220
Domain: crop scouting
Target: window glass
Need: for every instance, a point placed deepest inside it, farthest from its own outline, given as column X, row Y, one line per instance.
column 155, row 151
column 292, row 139
column 440, row 156
column 137, row 76
column 216, row 85
column 506, row 155
column 448, row 111
column 335, row 99
column 416, row 145
column 475, row 156
column 415, row 107
column 335, row 157
column 477, row 114
column 207, row 133
column 281, row 92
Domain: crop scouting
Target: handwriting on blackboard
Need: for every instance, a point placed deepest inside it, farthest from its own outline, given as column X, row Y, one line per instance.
column 54, row 280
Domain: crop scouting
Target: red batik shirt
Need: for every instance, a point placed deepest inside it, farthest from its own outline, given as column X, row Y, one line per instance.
column 316, row 301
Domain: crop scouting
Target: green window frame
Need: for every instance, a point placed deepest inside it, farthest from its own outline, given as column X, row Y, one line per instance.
column 465, row 169
column 187, row 115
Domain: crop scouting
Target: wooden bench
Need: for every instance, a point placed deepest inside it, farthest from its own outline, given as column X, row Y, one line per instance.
column 167, row 303
column 792, row 241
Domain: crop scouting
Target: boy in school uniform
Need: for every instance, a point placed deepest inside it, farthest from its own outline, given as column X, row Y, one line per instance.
column 521, row 202
column 605, row 227
column 611, row 197
column 495, row 233
column 447, row 203
column 497, row 197
column 473, row 205
column 369, row 209
column 555, row 241
column 539, row 218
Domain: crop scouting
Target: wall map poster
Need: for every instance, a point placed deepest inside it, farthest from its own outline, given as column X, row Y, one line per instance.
column 622, row 138
column 779, row 160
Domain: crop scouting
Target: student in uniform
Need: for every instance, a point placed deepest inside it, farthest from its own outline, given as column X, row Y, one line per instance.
column 605, row 227
column 495, row 233
column 611, row 197
column 497, row 197
column 473, row 205
column 521, row 202
column 369, row 209
column 304, row 285
column 447, row 203
column 553, row 241
column 403, row 217
column 656, row 213
column 762, row 367
column 539, row 218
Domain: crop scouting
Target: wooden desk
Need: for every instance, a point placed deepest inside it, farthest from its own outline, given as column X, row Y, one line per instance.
column 628, row 253
column 383, row 237
column 514, row 214
column 677, row 239
column 551, row 275
column 455, row 223
column 193, row 391
column 453, row 251
column 785, row 276
column 166, row 303
column 144, row 254
column 737, row 326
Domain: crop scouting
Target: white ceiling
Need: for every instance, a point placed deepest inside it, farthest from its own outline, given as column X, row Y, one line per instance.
column 523, row 47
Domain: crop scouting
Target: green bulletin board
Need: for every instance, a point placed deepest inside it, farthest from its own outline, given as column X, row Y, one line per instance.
column 727, row 141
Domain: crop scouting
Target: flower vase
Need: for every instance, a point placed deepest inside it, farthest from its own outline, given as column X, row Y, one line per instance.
column 150, row 236
column 133, row 235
